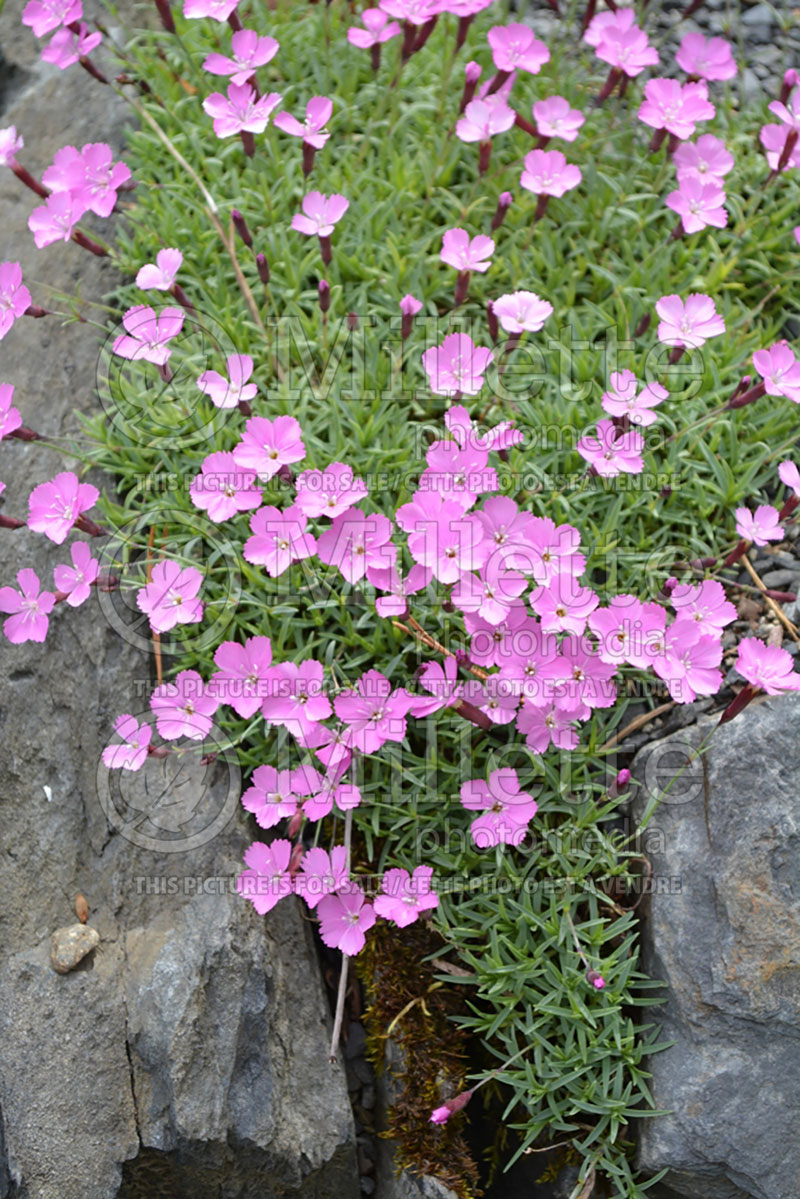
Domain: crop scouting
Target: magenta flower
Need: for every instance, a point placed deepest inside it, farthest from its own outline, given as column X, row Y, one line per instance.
column 509, row 643
column 29, row 609
column 90, row 176
column 43, row 16
column 555, row 550
column 706, row 160
column 344, row 919
column 555, row 118
column 14, row 296
column 266, row 880
column 675, row 107
column 321, row 874
column 54, row 507
column 161, row 275
column 279, row 539
column 611, row 452
column 448, row 542
column 790, row 476
column 243, row 677
column 483, row 119
column 230, row 392
column 620, row 629
column 699, row 204
column 710, row 58
column 441, row 680
column 689, row 663
column 688, row 323
column 170, row 598
column 492, row 594
column 377, row 30
column 457, row 366
column 508, row 811
column 458, row 473
column 218, row 10
column 66, row 46
column 268, row 445
column 705, row 604
column 147, row 334
column 184, row 708
column 563, row 605
column 780, row 371
column 464, row 254
column 249, row 51
column 514, row 48
column 297, row 696
column 312, row 130
column 132, row 753
column 356, row 541
column 56, row 218
column 415, row 12
column 622, row 399
column 619, row 41
column 397, row 588
column 320, row 214
column 329, row 492
column 788, row 113
column 547, row 173
column 10, row 146
column 521, row 311
column 223, row 489
column 774, row 139
column 241, row 111
column 10, row 418
column 405, row 897
column 545, row 726
column 76, row 580
column 761, row 526
column 271, row 796
column 767, row 667
column 374, row 712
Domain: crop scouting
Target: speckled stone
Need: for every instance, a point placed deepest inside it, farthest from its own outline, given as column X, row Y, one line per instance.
column 69, row 946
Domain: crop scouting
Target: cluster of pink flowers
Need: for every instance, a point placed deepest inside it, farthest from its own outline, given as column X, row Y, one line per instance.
column 79, row 181
column 71, row 40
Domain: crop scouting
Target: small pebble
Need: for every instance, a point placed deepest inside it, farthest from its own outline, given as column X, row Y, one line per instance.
column 69, row 946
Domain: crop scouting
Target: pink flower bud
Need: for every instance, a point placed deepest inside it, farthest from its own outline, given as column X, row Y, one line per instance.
column 597, row 980
column 441, row 1115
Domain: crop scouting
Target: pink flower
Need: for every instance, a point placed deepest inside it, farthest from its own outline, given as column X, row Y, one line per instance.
column 405, row 897
column 699, row 204
column 521, row 311
column 767, row 667
column 170, row 598
column 555, row 118
column 241, row 111
column 688, row 323
column 10, row 418
column 55, row 219
column 548, row 173
column 506, row 644
column 705, row 604
column 464, row 254
column 675, row 107
column 43, row 16
column 375, row 713
column 508, row 811
column 271, row 796
column 267, row 445
column 457, row 365
column 375, row 31
column 410, row 305
column 545, row 726
column 345, row 918
column 329, row 492
column 297, row 696
column 416, row 12
column 230, row 392
column 499, row 699
column 161, row 276
column 483, row 119
column 611, row 452
column 514, row 48
column 780, row 371
column 688, row 664
column 790, row 475
column 555, row 550
column 90, row 176
column 29, row 609
column 14, row 296
column 773, row 138
column 313, row 131
column 466, row 433
column 458, row 473
column 622, row 399
column 321, row 874
column 279, row 539
column 619, row 41
column 711, row 58
column 54, row 507
column 789, row 113
column 184, row 708
column 66, row 46
column 148, row 334
column 218, row 10
column 76, row 580
column 266, row 880
column 355, row 541
column 448, row 542
column 388, row 579
column 320, row 214
column 706, row 159
column 563, row 605
column 492, row 594
column 761, row 526
column 10, row 146
column 132, row 753
column 223, row 489
column 442, row 683
column 243, row 677
column 249, row 51
column 509, row 533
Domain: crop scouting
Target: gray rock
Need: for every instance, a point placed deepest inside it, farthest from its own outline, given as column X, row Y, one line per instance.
column 69, row 946
column 781, row 579
column 723, row 932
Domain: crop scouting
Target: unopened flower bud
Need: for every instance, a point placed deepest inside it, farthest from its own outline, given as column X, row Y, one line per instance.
column 790, row 81
column 643, row 326
column 263, row 268
column 294, row 825
column 165, row 12
column 595, row 979
column 352, row 322
column 441, row 1115
column 240, row 225
column 324, row 293
column 620, row 784
column 669, row 585
column 504, row 201
column 494, row 324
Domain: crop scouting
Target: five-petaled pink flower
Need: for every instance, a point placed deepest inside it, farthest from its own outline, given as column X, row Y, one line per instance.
column 563, row 605
column 248, row 51
column 66, row 46
column 761, row 526
column 320, row 214
column 184, row 708
column 131, row 754
column 705, row 604
column 441, row 680
column 521, row 311
column 404, row 897
column 241, row 111
column 243, row 675
column 780, row 371
column 223, row 489
column 170, row 598
column 767, row 667
column 14, row 295
column 374, row 712
column 10, row 145
column 675, row 107
column 547, row 173
column 218, row 10
column 43, row 16
column 619, row 41
column 698, row 204
column 710, row 58
column 268, row 445
column 612, row 452
column 690, row 322
column 707, row 159
column 622, row 398
column 266, row 880
column 689, row 662
column 312, row 130
column 10, row 418
column 555, row 118
column 55, row 506
column 329, row 492
column 456, row 366
column 297, row 696
column 321, row 874
column 279, row 539
column 147, row 334
column 507, row 810
column 76, row 580
column 446, row 540
column 230, row 392
column 355, row 541
column 90, row 175
column 789, row 475
column 514, row 48
column 56, row 218
column 271, row 796
column 344, row 919
column 29, row 608
column 160, row 276
column 397, row 588
column 466, row 254
column 377, row 30
column 482, row 119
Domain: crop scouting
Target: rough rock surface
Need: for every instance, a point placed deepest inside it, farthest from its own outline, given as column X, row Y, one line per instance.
column 188, row 1055
column 723, row 932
